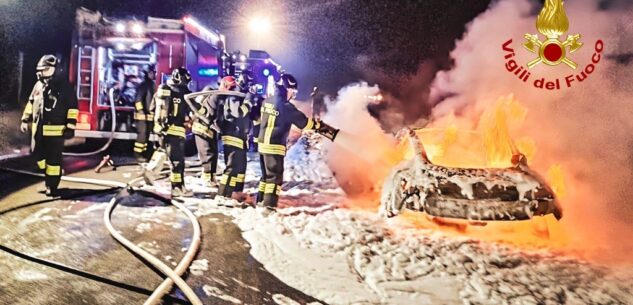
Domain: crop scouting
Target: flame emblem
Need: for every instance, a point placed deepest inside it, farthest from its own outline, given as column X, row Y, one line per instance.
column 552, row 22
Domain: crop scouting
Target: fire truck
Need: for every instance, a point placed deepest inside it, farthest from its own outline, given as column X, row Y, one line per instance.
column 263, row 66
column 109, row 54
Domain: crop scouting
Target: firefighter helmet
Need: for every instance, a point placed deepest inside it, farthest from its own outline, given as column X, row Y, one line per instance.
column 46, row 66
column 181, row 76
column 228, row 82
column 246, row 78
column 288, row 81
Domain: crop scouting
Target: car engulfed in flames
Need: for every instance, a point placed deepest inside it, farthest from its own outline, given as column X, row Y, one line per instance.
column 474, row 194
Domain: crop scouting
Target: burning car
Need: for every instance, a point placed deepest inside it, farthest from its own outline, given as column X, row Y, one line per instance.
column 473, row 194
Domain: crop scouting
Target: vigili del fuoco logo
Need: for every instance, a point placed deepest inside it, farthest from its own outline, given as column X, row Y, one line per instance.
column 552, row 23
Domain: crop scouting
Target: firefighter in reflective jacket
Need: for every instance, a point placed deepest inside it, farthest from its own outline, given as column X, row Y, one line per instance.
column 144, row 115
column 206, row 137
column 247, row 86
column 52, row 113
column 234, row 126
column 278, row 115
column 169, row 122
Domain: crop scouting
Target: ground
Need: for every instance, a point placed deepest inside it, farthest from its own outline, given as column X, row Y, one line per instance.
column 315, row 250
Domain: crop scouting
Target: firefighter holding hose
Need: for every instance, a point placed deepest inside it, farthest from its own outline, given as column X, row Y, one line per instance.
column 277, row 117
column 52, row 113
column 144, row 115
column 247, row 86
column 206, row 136
column 234, row 126
column 169, row 123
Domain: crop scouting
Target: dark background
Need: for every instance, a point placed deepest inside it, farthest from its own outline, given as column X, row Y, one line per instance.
column 325, row 43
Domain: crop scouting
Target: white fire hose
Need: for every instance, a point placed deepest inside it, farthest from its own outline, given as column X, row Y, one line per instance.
column 173, row 276
column 104, row 147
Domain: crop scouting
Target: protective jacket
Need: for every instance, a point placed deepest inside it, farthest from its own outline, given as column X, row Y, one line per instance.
column 143, row 102
column 51, row 108
column 172, row 110
column 277, row 117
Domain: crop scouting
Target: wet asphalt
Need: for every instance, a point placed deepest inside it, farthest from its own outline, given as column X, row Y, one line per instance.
column 70, row 231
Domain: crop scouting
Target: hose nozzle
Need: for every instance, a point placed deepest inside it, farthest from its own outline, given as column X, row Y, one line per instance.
column 326, row 130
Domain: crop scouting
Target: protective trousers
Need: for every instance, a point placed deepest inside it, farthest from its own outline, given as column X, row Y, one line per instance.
column 208, row 154
column 175, row 147
column 235, row 172
column 48, row 153
column 143, row 130
column 272, row 178
column 255, row 134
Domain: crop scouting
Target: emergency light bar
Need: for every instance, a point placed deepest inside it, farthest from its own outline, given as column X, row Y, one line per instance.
column 203, row 31
column 208, row 72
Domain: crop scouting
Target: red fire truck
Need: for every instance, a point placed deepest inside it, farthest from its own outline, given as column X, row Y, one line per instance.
column 108, row 56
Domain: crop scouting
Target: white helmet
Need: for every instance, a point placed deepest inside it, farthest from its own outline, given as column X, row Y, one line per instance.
column 46, row 66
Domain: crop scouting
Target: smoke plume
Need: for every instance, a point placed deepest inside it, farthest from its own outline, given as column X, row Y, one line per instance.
column 586, row 128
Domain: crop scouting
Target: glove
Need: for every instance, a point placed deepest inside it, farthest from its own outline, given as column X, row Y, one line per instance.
column 24, row 127
column 69, row 133
column 327, row 130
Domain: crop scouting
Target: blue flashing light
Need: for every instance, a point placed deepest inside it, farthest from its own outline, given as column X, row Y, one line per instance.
column 266, row 72
column 208, row 72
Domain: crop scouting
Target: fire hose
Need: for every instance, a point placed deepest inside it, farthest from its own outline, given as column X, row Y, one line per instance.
column 105, row 146
column 173, row 276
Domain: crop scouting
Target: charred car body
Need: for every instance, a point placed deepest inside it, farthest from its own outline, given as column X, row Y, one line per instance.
column 474, row 194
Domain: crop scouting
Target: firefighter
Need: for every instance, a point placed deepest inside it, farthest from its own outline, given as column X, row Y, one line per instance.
column 52, row 112
column 233, row 123
column 318, row 103
column 247, row 86
column 277, row 117
column 169, row 123
column 206, row 138
column 143, row 114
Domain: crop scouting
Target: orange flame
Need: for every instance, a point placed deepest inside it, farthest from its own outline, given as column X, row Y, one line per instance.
column 557, row 180
column 488, row 144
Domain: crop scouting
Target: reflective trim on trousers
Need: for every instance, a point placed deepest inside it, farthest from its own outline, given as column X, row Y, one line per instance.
column 53, row 170
column 72, row 114
column 175, row 177
column 140, row 147
column 201, row 130
column 272, row 149
column 271, row 188
column 233, row 141
column 53, row 130
column 177, row 131
column 41, row 164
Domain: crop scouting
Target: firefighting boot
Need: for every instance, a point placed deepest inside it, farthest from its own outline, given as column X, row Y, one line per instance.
column 52, row 192
column 208, row 181
column 181, row 191
column 265, row 211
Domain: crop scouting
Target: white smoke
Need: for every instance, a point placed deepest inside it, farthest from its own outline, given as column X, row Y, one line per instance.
column 360, row 157
column 587, row 128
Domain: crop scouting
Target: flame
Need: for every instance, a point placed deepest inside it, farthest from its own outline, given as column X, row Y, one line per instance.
column 486, row 141
column 552, row 20
column 488, row 145
column 557, row 180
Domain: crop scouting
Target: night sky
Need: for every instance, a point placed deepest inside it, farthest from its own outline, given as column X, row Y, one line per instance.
column 325, row 43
